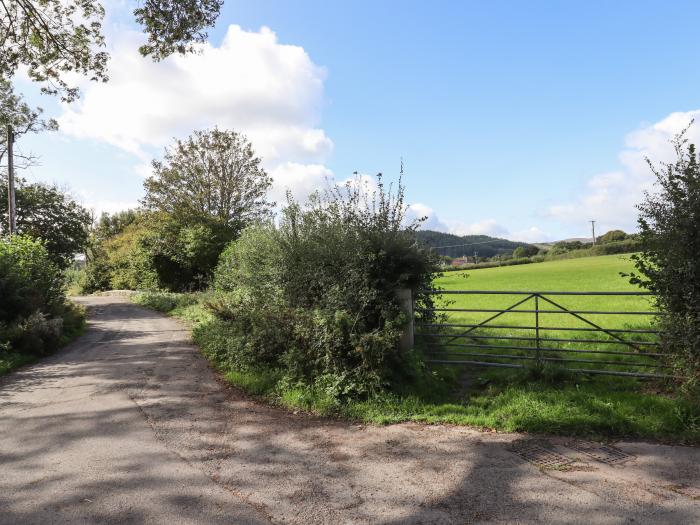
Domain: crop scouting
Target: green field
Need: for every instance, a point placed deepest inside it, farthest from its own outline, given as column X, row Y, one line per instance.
column 591, row 274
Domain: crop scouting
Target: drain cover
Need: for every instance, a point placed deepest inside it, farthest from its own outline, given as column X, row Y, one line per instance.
column 600, row 452
column 540, row 456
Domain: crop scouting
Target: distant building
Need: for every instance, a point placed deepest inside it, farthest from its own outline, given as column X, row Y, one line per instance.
column 459, row 262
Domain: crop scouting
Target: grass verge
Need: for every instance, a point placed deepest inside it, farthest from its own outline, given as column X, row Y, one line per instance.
column 511, row 401
column 73, row 327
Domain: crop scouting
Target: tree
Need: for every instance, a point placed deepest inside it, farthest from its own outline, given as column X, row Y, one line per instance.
column 612, row 236
column 213, row 176
column 173, row 26
column 525, row 251
column 668, row 265
column 15, row 112
column 45, row 212
column 54, row 37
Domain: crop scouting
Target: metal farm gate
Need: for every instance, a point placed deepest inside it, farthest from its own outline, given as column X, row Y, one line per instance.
column 588, row 348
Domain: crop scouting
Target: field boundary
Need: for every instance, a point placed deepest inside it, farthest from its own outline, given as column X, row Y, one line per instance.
column 606, row 351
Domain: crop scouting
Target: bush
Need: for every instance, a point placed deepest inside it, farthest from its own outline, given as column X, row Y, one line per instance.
column 165, row 301
column 154, row 251
column 316, row 296
column 29, row 281
column 34, row 316
column 668, row 265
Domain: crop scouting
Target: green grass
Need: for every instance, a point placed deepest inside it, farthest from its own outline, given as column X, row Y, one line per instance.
column 541, row 401
column 591, row 274
column 594, row 274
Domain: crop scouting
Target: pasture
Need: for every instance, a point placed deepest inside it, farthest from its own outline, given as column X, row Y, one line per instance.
column 591, row 349
column 590, row 274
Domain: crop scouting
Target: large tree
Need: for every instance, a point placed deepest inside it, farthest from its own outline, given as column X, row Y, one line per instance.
column 669, row 266
column 53, row 38
column 213, row 175
column 47, row 213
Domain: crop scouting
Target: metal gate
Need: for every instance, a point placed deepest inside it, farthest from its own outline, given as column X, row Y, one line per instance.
column 618, row 351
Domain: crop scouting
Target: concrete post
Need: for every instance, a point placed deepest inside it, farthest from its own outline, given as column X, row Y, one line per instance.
column 405, row 298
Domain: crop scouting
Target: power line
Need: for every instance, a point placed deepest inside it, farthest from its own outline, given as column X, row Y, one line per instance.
column 470, row 244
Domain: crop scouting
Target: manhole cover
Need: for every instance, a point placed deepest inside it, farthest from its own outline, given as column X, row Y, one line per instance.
column 600, row 452
column 540, row 456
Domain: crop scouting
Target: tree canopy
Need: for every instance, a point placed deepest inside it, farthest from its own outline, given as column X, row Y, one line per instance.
column 213, row 175
column 53, row 38
column 47, row 213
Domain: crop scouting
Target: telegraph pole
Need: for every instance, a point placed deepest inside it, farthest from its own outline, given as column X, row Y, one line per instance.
column 593, row 230
column 11, row 210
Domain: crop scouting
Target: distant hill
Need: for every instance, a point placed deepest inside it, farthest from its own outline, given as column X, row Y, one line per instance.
column 456, row 246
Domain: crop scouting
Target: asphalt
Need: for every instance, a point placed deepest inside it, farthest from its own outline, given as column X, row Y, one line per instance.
column 130, row 425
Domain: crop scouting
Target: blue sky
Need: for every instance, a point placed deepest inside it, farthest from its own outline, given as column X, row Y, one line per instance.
column 519, row 119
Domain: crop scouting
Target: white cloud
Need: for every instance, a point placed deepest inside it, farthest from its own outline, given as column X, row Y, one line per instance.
column 100, row 205
column 251, row 83
column 610, row 198
column 531, row 234
column 485, row 227
column 300, row 179
column 432, row 222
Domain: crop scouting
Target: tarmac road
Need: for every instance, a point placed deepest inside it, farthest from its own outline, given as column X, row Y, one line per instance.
column 130, row 425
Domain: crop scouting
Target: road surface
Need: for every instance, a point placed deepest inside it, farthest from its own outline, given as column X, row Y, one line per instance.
column 129, row 425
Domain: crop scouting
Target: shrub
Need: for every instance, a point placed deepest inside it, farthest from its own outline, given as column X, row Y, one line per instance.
column 668, row 265
column 164, row 301
column 315, row 297
column 34, row 316
column 29, row 281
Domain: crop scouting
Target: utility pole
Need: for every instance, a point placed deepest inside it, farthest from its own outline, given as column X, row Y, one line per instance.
column 11, row 210
column 476, row 257
column 593, row 230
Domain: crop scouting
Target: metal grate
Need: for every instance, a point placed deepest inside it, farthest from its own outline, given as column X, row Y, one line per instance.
column 540, row 456
column 600, row 452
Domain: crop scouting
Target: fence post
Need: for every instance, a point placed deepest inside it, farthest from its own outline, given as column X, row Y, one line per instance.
column 405, row 298
column 537, row 328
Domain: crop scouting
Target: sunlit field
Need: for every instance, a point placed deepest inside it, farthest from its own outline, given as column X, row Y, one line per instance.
column 591, row 274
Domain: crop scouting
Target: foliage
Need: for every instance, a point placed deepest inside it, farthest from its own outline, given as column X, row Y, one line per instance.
column 112, row 225
column 154, row 251
column 669, row 223
column 525, row 251
column 629, row 245
column 252, row 265
column 612, row 236
column 206, row 190
column 165, row 301
column 173, row 26
column 47, row 213
column 213, row 176
column 29, row 280
column 126, row 261
column 315, row 297
column 34, row 316
column 53, row 39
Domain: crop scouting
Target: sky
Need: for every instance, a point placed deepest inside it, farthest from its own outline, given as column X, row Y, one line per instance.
column 521, row 120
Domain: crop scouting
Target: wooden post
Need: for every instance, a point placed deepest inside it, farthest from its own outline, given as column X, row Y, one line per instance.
column 11, row 210
column 405, row 297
